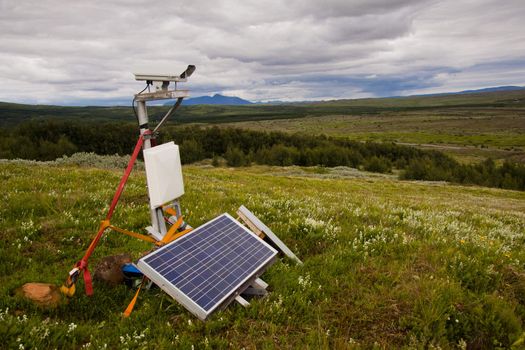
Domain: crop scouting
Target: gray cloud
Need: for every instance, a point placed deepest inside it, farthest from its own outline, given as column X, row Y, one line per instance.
column 62, row 52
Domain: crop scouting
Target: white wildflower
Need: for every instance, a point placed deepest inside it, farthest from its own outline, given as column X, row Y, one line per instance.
column 305, row 281
column 71, row 327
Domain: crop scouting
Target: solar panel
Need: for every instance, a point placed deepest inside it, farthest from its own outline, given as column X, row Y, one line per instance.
column 208, row 267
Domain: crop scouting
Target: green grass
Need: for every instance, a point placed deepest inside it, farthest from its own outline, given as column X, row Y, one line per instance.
column 491, row 140
column 387, row 263
column 467, row 133
column 496, row 129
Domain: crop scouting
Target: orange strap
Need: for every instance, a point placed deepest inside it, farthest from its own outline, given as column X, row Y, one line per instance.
column 131, row 305
column 134, row 234
column 179, row 234
column 172, row 230
column 170, row 211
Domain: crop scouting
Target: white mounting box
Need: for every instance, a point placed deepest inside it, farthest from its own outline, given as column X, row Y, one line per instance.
column 163, row 173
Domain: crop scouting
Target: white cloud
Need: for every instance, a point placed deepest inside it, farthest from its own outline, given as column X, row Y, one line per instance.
column 57, row 51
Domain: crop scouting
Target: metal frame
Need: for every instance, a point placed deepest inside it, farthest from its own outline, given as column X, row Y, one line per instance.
column 158, row 226
column 252, row 220
column 161, row 95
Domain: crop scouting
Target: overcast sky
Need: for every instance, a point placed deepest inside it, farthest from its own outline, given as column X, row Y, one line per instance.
column 84, row 52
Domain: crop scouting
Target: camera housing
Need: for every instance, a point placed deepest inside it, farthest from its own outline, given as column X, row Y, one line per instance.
column 167, row 78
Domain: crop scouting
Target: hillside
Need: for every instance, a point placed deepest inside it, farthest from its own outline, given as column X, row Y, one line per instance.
column 388, row 263
column 11, row 113
column 469, row 126
column 497, row 98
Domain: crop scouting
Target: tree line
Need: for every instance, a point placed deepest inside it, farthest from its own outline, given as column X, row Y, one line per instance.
column 48, row 140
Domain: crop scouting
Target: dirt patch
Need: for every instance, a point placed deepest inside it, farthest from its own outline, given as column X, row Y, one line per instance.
column 42, row 294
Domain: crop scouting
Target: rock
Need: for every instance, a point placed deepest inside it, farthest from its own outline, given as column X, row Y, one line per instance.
column 109, row 269
column 42, row 294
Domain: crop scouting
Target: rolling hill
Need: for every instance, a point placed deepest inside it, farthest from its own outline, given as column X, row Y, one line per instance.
column 471, row 126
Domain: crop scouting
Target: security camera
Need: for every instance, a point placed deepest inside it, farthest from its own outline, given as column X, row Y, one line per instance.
column 166, row 78
column 154, row 77
column 188, row 72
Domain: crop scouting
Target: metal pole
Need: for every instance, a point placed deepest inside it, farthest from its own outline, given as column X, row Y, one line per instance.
column 142, row 115
column 157, row 217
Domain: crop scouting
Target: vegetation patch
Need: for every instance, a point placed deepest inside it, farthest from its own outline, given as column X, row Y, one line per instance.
column 387, row 263
column 50, row 139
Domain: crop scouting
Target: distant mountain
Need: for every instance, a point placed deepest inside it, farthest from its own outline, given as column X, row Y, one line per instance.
column 491, row 89
column 437, row 94
column 477, row 91
column 216, row 100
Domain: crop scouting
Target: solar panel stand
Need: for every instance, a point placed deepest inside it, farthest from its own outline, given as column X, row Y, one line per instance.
column 252, row 227
column 257, row 226
column 252, row 291
column 242, row 301
column 257, row 288
column 259, row 283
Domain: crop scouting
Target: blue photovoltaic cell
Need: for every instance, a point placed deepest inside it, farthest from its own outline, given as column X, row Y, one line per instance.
column 211, row 262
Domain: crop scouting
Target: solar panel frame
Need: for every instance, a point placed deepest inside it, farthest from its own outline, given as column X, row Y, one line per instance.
column 176, row 293
column 269, row 234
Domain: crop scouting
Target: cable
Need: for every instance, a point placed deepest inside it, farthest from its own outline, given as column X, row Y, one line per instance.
column 134, row 97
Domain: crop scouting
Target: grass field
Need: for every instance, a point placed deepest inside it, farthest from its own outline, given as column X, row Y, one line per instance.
column 469, row 134
column 387, row 263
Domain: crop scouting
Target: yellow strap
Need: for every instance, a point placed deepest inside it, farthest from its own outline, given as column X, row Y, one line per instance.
column 134, row 234
column 131, row 305
column 170, row 211
column 171, row 231
column 180, row 234
column 68, row 291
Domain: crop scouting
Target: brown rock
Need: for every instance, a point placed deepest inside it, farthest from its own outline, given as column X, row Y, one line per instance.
column 109, row 269
column 43, row 294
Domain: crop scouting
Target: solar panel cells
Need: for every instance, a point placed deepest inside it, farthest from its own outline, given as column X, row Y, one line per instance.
column 208, row 265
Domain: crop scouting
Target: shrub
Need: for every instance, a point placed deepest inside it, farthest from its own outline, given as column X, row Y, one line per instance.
column 378, row 165
column 47, row 140
column 235, row 157
column 191, row 151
